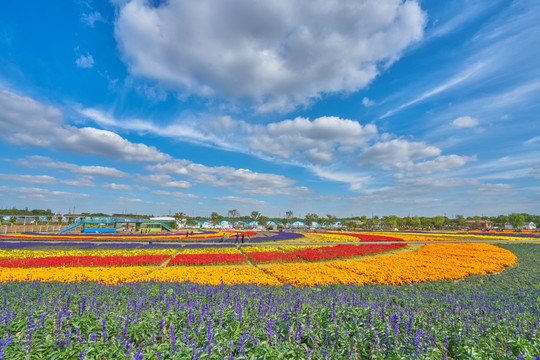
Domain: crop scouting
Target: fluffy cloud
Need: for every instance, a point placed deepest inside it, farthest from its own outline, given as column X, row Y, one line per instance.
column 165, row 180
column 176, row 194
column 85, row 61
column 278, row 53
column 85, row 181
column 44, row 194
column 464, row 122
column 439, row 164
column 91, row 18
column 24, row 121
column 37, row 161
column 29, row 179
column 317, row 140
column 118, row 186
column 396, row 154
column 240, row 180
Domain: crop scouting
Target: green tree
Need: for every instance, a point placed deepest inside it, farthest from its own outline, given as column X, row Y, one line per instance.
column 233, row 213
column 331, row 219
column 516, row 220
column 311, row 218
column 288, row 215
column 390, row 221
column 439, row 221
column 255, row 215
column 215, row 217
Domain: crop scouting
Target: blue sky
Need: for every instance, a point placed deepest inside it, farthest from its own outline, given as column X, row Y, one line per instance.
column 373, row 107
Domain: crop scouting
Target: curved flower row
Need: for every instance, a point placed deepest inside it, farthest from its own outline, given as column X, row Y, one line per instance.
column 212, row 250
column 205, row 259
column 449, row 236
column 352, row 237
column 432, row 262
column 107, row 275
column 115, row 236
column 213, row 275
column 20, row 254
column 368, row 237
column 272, row 257
column 114, row 260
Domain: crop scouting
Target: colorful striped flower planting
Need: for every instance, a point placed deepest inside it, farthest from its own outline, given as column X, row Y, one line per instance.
column 313, row 255
column 344, row 251
column 272, row 257
column 206, row 259
column 112, row 260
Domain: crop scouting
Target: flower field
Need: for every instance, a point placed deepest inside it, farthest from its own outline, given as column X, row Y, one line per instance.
column 222, row 312
column 297, row 265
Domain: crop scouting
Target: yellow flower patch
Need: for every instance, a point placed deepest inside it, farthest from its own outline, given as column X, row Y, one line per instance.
column 20, row 254
column 250, row 249
column 107, row 275
column 212, row 250
column 213, row 275
column 335, row 238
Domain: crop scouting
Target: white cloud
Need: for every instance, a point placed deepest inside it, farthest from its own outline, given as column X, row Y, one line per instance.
column 278, row 53
column 177, row 184
column 396, row 154
column 85, row 61
column 44, row 194
column 123, row 199
column 298, row 139
column 29, row 179
column 439, row 165
column 165, row 181
column 367, row 102
column 37, row 161
column 115, row 186
column 24, row 121
column 91, row 18
column 106, row 143
column 455, row 80
column 85, row 181
column 176, row 194
column 240, row 180
column 465, row 122
column 316, row 140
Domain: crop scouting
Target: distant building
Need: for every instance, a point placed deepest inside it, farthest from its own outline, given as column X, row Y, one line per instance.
column 529, row 226
column 478, row 224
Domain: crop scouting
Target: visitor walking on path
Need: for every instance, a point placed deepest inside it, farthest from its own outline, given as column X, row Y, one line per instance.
column 236, row 240
column 242, row 238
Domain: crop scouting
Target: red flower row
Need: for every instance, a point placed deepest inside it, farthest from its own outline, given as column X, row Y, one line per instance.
column 272, row 256
column 205, row 259
column 313, row 255
column 113, row 260
column 367, row 237
column 358, row 250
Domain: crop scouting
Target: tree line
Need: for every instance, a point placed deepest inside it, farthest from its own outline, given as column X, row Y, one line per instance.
column 517, row 220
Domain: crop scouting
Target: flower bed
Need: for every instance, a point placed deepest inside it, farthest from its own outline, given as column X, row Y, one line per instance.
column 313, row 255
column 213, row 275
column 354, row 237
column 343, row 251
column 205, row 259
column 272, row 257
column 112, row 260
